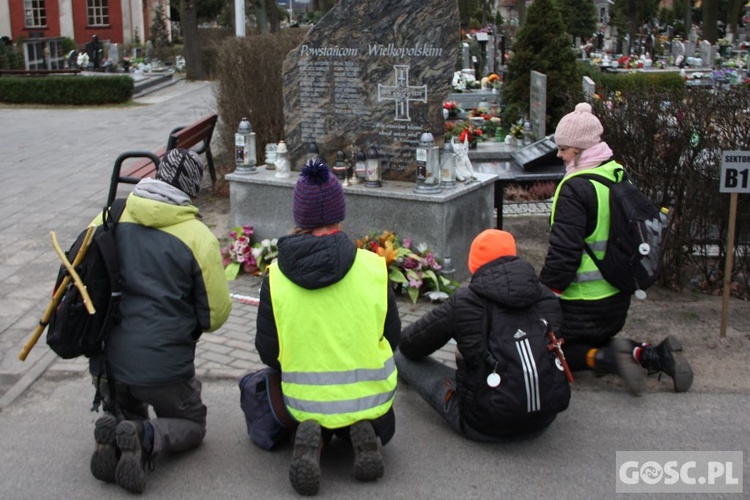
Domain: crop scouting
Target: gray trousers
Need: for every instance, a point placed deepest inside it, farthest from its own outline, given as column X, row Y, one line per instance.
column 436, row 383
column 180, row 422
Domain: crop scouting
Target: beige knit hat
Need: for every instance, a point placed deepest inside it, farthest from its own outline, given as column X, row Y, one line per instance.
column 579, row 129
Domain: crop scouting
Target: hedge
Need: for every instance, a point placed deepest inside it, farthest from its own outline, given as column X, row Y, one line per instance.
column 638, row 82
column 72, row 90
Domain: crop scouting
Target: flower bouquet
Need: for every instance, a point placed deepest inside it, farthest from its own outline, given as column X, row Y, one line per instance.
column 242, row 255
column 453, row 108
column 413, row 269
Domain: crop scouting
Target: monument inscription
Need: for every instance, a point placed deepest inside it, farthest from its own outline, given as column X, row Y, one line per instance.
column 371, row 73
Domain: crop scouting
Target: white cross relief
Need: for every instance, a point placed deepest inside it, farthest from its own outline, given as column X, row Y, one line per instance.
column 402, row 93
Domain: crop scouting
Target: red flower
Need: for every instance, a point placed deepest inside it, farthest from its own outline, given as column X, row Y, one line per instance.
column 465, row 136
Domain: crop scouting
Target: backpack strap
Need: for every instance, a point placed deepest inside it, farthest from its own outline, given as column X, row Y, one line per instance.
column 608, row 183
column 108, row 249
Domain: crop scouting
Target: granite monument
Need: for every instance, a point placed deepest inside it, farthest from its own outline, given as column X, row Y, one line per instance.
column 371, row 73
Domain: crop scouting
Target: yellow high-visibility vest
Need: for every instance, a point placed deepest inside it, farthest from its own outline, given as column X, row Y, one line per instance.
column 589, row 283
column 337, row 368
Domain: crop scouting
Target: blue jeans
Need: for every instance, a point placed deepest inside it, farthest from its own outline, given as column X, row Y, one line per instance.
column 436, row 383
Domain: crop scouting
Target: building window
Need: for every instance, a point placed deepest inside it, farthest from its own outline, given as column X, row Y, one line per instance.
column 36, row 14
column 97, row 12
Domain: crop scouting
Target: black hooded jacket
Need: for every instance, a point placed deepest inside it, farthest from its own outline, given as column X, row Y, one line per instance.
column 508, row 284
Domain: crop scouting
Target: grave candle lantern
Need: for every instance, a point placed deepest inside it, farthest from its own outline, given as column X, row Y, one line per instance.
column 244, row 147
column 372, row 176
column 428, row 165
column 448, row 167
column 360, row 168
column 339, row 167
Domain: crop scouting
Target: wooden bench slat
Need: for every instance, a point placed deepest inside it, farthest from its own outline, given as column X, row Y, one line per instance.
column 146, row 163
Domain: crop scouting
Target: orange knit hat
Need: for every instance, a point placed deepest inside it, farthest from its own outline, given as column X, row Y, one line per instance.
column 489, row 245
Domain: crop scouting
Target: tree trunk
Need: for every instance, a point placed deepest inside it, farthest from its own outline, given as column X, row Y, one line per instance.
column 734, row 13
column 632, row 24
column 273, row 17
column 260, row 14
column 710, row 20
column 189, row 22
column 688, row 17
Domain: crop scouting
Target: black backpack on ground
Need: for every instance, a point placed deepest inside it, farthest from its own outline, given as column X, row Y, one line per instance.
column 532, row 382
column 72, row 330
column 632, row 258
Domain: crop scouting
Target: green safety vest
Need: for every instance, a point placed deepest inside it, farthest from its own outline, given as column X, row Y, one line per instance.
column 589, row 283
column 337, row 368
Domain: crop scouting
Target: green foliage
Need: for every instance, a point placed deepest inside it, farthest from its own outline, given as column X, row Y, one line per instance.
column 639, row 83
column 579, row 17
column 75, row 90
column 159, row 32
column 644, row 11
column 68, row 44
column 10, row 57
column 541, row 45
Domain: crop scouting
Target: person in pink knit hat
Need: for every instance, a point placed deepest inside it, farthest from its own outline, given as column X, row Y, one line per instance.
column 594, row 310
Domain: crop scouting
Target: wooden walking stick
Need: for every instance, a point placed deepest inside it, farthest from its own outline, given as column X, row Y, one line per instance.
column 72, row 275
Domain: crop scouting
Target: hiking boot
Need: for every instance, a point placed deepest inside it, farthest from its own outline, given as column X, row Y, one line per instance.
column 667, row 357
column 104, row 458
column 131, row 470
column 304, row 471
column 617, row 357
column 368, row 463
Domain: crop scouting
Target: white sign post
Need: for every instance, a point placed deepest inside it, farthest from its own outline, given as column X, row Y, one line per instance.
column 735, row 178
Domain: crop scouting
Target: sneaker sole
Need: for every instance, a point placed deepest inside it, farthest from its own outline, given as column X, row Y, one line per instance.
column 683, row 372
column 129, row 473
column 304, row 471
column 632, row 373
column 104, row 459
column 368, row 462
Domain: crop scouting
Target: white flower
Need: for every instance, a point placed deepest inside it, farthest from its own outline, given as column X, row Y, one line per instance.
column 436, row 296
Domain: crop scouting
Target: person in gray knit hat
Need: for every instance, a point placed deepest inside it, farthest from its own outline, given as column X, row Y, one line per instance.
column 594, row 311
column 326, row 315
column 173, row 289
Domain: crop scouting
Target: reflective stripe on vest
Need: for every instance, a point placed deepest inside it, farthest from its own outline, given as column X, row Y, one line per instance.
column 336, row 366
column 588, row 283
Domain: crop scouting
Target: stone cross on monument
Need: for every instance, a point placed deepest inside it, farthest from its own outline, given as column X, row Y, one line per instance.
column 402, row 93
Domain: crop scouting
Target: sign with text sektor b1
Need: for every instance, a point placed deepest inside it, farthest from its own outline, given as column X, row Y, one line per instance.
column 735, row 172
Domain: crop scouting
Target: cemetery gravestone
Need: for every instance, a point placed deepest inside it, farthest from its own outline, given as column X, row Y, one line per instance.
column 368, row 74
column 538, row 104
column 705, row 53
column 589, row 88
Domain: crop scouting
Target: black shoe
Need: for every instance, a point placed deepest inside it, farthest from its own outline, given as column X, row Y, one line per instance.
column 667, row 357
column 617, row 357
column 304, row 471
column 130, row 472
column 104, row 458
column 368, row 463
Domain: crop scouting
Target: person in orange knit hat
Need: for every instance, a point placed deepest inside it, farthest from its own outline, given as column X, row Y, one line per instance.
column 503, row 307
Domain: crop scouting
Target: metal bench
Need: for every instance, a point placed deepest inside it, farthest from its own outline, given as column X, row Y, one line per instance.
column 196, row 136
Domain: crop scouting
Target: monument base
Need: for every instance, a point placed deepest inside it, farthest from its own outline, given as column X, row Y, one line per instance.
column 447, row 221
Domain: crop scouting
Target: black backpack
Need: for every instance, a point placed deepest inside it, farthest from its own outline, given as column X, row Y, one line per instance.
column 532, row 380
column 72, row 330
column 632, row 258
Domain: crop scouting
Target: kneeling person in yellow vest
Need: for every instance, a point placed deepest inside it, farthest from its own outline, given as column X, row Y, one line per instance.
column 329, row 322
